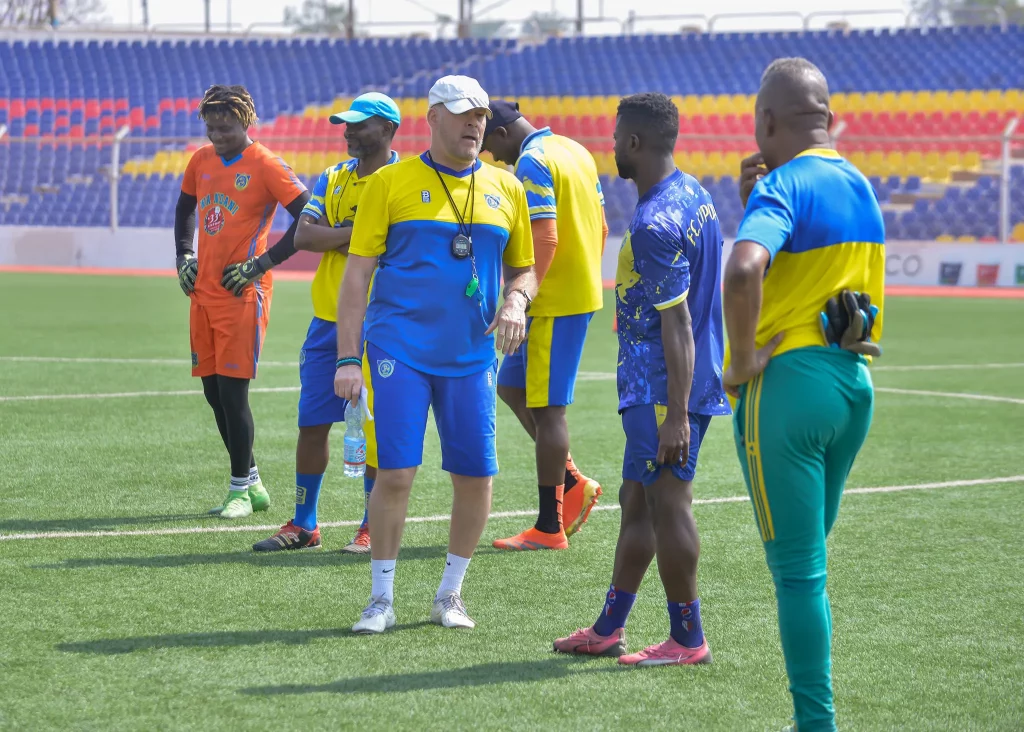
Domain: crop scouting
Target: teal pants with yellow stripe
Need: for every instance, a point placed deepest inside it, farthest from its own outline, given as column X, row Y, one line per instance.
column 798, row 428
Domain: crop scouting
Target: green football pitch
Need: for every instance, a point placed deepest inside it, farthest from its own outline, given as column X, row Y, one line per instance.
column 124, row 607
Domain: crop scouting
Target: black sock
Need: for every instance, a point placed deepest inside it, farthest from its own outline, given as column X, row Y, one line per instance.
column 547, row 517
column 211, row 390
column 570, row 481
column 234, row 396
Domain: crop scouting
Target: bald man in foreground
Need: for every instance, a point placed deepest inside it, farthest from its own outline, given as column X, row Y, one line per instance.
column 809, row 259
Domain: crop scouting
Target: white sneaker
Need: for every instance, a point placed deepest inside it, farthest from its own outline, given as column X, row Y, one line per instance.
column 378, row 616
column 450, row 611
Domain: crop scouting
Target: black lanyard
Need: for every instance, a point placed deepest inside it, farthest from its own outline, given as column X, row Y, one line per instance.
column 462, row 244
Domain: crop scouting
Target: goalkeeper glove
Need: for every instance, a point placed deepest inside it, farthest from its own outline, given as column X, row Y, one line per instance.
column 188, row 268
column 238, row 276
column 847, row 322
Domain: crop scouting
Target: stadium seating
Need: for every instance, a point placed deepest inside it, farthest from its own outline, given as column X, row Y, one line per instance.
column 894, row 91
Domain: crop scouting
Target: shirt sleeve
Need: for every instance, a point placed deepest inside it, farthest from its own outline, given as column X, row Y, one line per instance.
column 600, row 193
column 281, row 181
column 768, row 220
column 188, row 183
column 370, row 230
column 535, row 175
column 519, row 250
column 660, row 260
column 316, row 205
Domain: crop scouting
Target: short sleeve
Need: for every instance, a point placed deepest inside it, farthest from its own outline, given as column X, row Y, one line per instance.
column 535, row 175
column 600, row 193
column 316, row 205
column 188, row 183
column 661, row 262
column 519, row 250
column 281, row 181
column 768, row 220
column 370, row 230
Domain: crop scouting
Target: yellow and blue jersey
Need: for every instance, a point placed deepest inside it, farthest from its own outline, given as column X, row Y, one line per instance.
column 672, row 252
column 561, row 182
column 419, row 310
column 820, row 221
column 335, row 196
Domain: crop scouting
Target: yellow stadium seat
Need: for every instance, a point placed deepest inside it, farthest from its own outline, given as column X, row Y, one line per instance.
column 741, row 104
column 906, row 101
column 952, row 159
column 971, row 160
column 838, row 102
column 1013, row 100
column 977, row 101
column 895, row 163
column 958, row 101
column 707, row 104
column 855, row 102
column 690, row 106
column 944, row 237
column 859, row 160
column 302, row 163
column 966, row 239
column 680, row 102
column 888, row 102
column 1018, row 233
column 873, row 102
column 940, row 101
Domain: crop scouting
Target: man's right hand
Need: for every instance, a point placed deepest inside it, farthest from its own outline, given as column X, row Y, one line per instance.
column 752, row 170
column 188, row 268
column 348, row 382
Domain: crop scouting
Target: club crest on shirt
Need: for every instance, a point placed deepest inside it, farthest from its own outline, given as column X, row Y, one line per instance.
column 386, row 367
column 214, row 221
column 425, row 196
column 241, row 181
column 492, row 200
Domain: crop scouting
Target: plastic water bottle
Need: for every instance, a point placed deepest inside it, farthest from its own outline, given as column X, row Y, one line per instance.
column 355, row 441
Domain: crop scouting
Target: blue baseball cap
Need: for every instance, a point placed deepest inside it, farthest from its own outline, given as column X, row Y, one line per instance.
column 372, row 104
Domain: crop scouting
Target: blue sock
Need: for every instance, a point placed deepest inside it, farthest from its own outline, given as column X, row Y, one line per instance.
column 367, row 489
column 617, row 605
column 685, row 620
column 307, row 493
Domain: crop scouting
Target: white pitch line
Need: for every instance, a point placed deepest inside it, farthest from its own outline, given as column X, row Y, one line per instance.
column 949, row 367
column 497, row 515
column 592, row 374
column 951, row 395
column 127, row 394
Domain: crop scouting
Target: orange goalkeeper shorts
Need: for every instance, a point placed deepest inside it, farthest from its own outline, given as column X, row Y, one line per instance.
column 227, row 336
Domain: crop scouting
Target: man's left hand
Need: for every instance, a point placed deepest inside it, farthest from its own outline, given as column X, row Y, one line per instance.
column 674, row 440
column 509, row 325
column 238, row 276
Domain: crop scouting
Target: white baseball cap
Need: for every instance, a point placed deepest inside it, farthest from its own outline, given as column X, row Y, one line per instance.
column 459, row 94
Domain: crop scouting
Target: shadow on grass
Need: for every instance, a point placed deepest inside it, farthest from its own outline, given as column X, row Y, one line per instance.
column 299, row 558
column 93, row 523
column 223, row 639
column 485, row 674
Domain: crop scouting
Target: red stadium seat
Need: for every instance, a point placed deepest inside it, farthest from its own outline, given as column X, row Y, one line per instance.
column 181, row 105
column 31, row 105
column 47, row 104
column 557, row 124
column 5, row 103
column 62, row 123
column 31, row 130
column 122, row 120
column 17, row 108
column 92, row 108
column 106, row 106
column 63, row 106
column 137, row 117
column 605, row 127
column 153, row 121
column 121, row 106
column 570, row 126
column 77, row 131
column 165, row 105
column 77, row 105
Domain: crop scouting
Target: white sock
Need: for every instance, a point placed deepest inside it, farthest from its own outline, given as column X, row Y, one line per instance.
column 454, row 572
column 240, row 484
column 254, row 475
column 382, row 573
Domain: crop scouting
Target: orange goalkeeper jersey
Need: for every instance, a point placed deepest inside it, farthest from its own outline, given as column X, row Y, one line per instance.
column 236, row 203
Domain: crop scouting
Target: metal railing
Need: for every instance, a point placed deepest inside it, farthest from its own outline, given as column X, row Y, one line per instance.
column 985, row 169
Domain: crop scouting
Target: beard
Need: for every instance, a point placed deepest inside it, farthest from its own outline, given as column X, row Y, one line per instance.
column 625, row 169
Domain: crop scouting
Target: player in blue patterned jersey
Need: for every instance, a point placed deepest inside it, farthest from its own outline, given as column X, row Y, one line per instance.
column 669, row 309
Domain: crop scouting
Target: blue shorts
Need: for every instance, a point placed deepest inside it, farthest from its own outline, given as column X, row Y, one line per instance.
column 318, row 404
column 464, row 411
column 640, row 423
column 547, row 364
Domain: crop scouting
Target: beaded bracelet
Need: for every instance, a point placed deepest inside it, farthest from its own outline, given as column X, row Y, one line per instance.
column 350, row 361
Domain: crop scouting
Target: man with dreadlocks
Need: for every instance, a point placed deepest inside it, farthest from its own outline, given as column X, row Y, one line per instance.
column 236, row 185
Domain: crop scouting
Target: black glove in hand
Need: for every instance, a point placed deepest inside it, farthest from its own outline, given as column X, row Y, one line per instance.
column 847, row 322
column 188, row 268
column 238, row 276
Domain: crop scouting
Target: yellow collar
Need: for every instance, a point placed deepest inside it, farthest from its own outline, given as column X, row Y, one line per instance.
column 820, row 152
